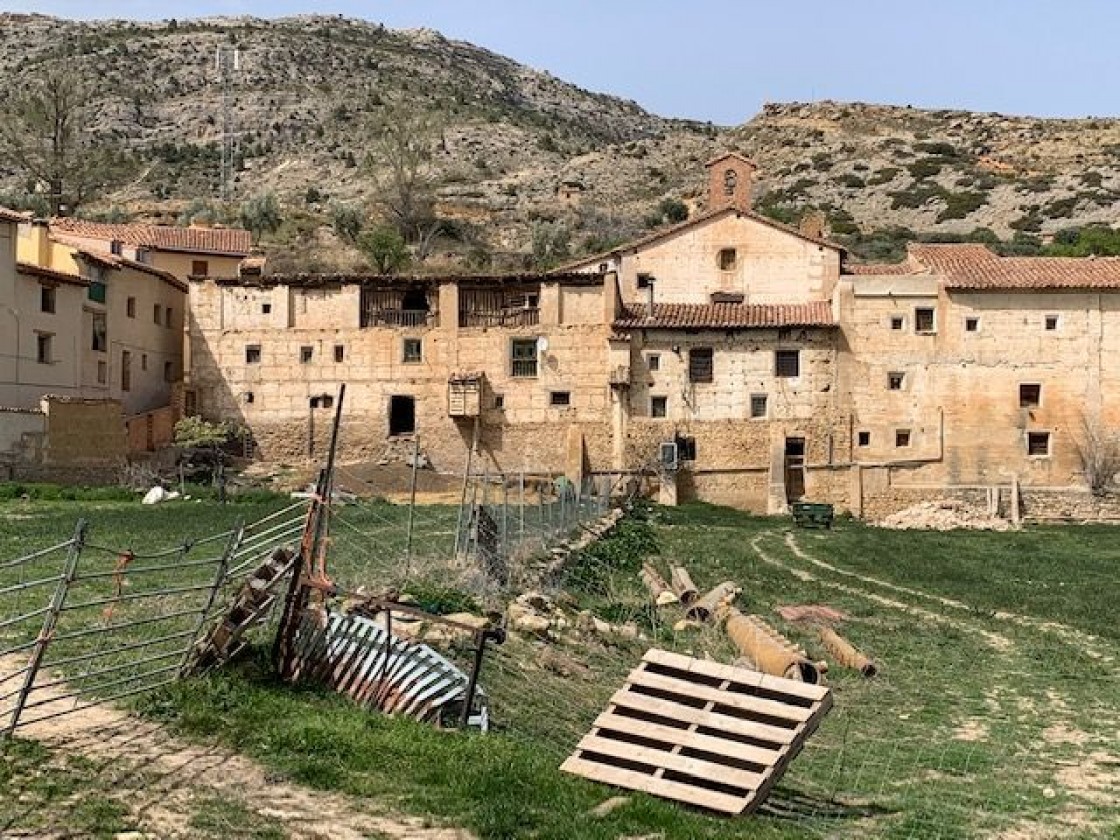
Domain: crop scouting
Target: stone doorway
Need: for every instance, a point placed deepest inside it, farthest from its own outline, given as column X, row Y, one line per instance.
column 402, row 415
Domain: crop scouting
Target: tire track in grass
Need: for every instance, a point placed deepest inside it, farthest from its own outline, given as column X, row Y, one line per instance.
column 1070, row 635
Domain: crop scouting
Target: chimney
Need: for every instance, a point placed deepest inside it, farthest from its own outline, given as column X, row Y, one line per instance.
column 730, row 177
column 41, row 243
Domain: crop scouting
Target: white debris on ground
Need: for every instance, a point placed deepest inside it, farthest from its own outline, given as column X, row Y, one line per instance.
column 945, row 515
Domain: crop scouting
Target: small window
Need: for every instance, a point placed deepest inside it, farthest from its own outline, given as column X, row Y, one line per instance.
column 901, row 437
column 686, row 448
column 102, row 373
column 523, row 357
column 972, row 325
column 43, row 347
column 863, row 439
column 167, row 317
column 924, row 321
column 130, row 307
column 126, row 370
column 143, row 361
column 645, row 281
column 99, row 341
column 322, row 401
column 653, row 360
column 895, row 380
column 96, row 291
column 199, row 268
column 560, row 398
column 248, row 397
column 658, row 406
column 787, row 363
column 116, row 247
column 727, row 259
column 1038, row 444
column 499, row 402
column 700, row 364
column 1030, row 395
column 758, row 405
column 306, row 354
column 46, row 298
column 252, row 354
column 266, row 308
column 412, row 351
column 1051, row 322
column 339, row 353
column 157, row 314
column 168, row 372
column 897, row 322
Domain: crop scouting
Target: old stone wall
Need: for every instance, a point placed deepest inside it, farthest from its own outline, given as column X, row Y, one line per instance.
column 83, row 431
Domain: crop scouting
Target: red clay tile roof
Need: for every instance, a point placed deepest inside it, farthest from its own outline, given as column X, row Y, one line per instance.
column 233, row 241
column 50, row 274
column 726, row 316
column 13, row 216
column 976, row 267
column 115, row 262
column 878, row 269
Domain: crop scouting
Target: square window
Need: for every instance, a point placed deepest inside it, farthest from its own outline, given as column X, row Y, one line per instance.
column 924, row 321
column 700, row 364
column 523, row 357
column 306, row 354
column 727, row 259
column 901, row 437
column 46, row 298
column 658, row 406
column 686, row 448
column 863, row 439
column 248, row 397
column 653, row 360
column 560, row 398
column 1030, row 395
column 645, row 281
column 897, row 322
column 895, row 380
column 167, row 317
column 787, row 363
column 1038, row 444
column 1051, row 322
column 972, row 325
column 96, row 291
column 266, row 308
column 339, row 353
column 758, row 405
column 168, row 372
column 130, row 307
column 252, row 354
column 43, row 347
column 199, row 268
column 412, row 351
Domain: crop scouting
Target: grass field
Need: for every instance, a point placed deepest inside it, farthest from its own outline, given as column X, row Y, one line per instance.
column 996, row 712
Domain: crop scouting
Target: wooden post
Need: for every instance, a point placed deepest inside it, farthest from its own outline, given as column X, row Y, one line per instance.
column 411, row 506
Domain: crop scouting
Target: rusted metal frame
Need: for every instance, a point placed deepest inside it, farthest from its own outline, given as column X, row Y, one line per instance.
column 215, row 588
column 136, row 596
column 182, row 548
column 387, row 605
column 58, row 601
column 91, row 690
column 125, row 625
column 27, row 558
column 251, row 527
column 263, row 553
column 100, row 672
column 100, row 701
column 252, row 540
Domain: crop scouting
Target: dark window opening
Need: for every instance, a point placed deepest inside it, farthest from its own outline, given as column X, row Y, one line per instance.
column 412, row 350
column 895, row 381
column 730, row 181
column 795, row 468
column 864, row 439
column 1051, row 322
column 727, row 259
column 523, row 357
column 157, row 313
column 924, row 321
column 645, row 281
column 787, row 363
column 658, row 406
column 686, row 448
column 499, row 401
column 266, row 308
column 415, row 300
column 901, row 437
column 1030, row 395
column 252, row 354
column 758, row 405
column 700, row 364
column 143, row 361
column 339, row 353
column 248, row 396
column 306, row 354
column 96, row 291
column 402, row 415
column 1038, row 443
column 46, row 298
column 167, row 317
column 971, row 324
column 126, row 371
column 654, row 361
column 897, row 322
column 322, row 401
column 560, row 398
column 130, row 307
column 100, row 338
column 168, row 372
column 199, row 268
column 43, row 353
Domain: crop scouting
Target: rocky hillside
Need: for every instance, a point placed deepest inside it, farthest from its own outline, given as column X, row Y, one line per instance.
column 311, row 90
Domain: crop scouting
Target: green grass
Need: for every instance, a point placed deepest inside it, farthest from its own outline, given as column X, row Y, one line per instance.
column 949, row 741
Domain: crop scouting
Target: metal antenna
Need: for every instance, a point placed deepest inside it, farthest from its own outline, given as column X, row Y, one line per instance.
column 227, row 62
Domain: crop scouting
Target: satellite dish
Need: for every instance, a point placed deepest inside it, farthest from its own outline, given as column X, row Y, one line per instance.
column 542, row 344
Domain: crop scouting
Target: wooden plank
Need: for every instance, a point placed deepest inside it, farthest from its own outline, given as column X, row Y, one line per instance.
column 687, row 738
column 634, row 780
column 701, row 717
column 701, row 768
column 740, row 676
column 742, row 702
column 789, row 753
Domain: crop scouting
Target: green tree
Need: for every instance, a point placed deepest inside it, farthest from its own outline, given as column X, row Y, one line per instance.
column 347, row 220
column 260, row 215
column 45, row 132
column 385, row 249
column 550, row 241
column 673, row 210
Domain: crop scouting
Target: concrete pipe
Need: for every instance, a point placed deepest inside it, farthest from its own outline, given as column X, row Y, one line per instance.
column 658, row 588
column 769, row 650
column 684, row 587
column 845, row 653
column 705, row 608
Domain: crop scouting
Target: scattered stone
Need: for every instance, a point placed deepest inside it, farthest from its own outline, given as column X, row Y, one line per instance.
column 608, row 805
column 944, row 515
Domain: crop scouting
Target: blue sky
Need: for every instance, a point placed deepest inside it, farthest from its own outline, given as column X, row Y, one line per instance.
column 720, row 60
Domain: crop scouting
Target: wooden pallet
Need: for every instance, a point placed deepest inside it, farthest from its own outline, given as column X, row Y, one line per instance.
column 700, row 732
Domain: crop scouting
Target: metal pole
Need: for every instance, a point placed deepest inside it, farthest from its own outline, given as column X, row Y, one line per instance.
column 219, row 579
column 499, row 636
column 466, row 481
column 57, row 600
column 411, row 507
column 505, row 517
column 521, row 507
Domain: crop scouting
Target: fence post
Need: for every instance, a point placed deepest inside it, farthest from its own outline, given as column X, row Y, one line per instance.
column 77, row 543
column 219, row 579
column 521, row 507
column 505, row 517
column 412, row 508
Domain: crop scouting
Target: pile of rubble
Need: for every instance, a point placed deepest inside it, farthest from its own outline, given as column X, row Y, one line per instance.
column 945, row 515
